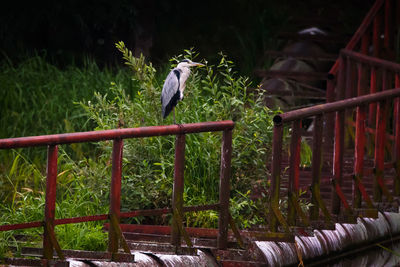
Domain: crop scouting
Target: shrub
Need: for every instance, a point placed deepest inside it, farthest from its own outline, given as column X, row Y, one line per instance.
column 212, row 93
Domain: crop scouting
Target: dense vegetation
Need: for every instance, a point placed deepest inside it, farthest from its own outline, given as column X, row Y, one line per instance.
column 40, row 98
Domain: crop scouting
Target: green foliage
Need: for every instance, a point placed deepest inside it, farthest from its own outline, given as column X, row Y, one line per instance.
column 305, row 154
column 82, row 236
column 38, row 98
column 212, row 93
column 246, row 211
column 75, row 197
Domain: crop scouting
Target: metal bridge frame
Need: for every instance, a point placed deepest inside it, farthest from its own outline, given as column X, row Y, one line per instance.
column 50, row 242
column 339, row 108
column 381, row 20
column 348, row 78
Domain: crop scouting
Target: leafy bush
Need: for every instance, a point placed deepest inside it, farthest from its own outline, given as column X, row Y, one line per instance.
column 212, row 93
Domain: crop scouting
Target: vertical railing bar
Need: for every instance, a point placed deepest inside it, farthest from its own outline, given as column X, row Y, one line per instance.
column 379, row 155
column 397, row 15
column 330, row 117
column 359, row 140
column 50, row 201
column 339, row 139
column 388, row 32
column 341, row 78
column 376, row 35
column 365, row 42
column 177, row 195
column 293, row 191
column 372, row 106
column 115, row 196
column 224, row 189
column 316, row 167
column 275, row 174
column 349, row 79
column 396, row 127
column 349, row 92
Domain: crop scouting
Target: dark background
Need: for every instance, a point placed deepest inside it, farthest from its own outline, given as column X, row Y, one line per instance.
column 66, row 31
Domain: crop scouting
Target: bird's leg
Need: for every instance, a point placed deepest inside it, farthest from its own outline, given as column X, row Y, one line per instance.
column 174, row 117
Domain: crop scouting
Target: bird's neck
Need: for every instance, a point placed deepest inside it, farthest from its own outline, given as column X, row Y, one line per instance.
column 184, row 75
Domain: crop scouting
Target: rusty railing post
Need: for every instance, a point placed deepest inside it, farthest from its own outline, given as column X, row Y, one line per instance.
column 376, row 35
column 293, row 191
column 316, row 167
column 275, row 172
column 380, row 139
column 330, row 117
column 397, row 14
column 177, row 195
column 349, row 79
column 365, row 43
column 224, row 189
column 359, row 140
column 379, row 156
column 372, row 106
column 115, row 197
column 388, row 32
column 339, row 139
column 50, row 202
column 396, row 127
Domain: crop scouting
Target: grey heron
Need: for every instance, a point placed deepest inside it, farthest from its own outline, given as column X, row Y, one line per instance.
column 174, row 86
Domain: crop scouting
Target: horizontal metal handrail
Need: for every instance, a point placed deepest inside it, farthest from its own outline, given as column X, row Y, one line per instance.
column 371, row 61
column 104, row 217
column 118, row 135
column 95, row 136
column 335, row 106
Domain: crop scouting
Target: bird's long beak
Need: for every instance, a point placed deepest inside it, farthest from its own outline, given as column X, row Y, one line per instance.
column 197, row 64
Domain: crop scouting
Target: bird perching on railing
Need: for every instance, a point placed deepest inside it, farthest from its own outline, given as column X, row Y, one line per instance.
column 174, row 86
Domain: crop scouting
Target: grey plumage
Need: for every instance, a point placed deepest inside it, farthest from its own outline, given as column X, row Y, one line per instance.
column 170, row 93
column 174, row 86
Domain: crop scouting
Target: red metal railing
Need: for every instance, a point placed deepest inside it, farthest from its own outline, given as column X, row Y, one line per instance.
column 372, row 75
column 375, row 37
column 371, row 109
column 318, row 112
column 115, row 235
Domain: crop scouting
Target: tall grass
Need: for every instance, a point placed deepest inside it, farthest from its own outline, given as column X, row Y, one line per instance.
column 38, row 98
